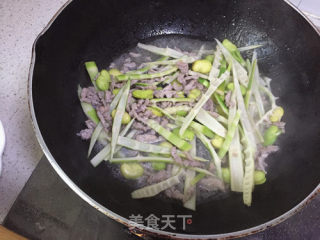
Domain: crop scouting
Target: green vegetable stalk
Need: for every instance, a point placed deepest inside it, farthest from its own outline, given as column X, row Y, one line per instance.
column 234, row 51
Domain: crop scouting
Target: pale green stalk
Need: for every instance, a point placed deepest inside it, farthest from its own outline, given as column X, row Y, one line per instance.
column 231, row 131
column 118, row 117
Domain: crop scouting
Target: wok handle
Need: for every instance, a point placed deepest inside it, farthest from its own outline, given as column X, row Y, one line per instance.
column 6, row 234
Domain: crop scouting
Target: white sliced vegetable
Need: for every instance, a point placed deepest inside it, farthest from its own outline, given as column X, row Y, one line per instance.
column 154, row 189
column 191, row 202
column 248, row 180
column 235, row 152
column 246, row 124
column 192, row 73
column 118, row 117
column 143, row 147
column 206, row 119
column 216, row 64
column 161, row 51
column 94, row 137
column 215, row 157
column 188, row 187
column 174, row 110
column 236, row 164
column 255, row 88
column 116, row 100
column 171, row 78
column 251, row 47
column 204, row 98
column 242, row 73
column 104, row 154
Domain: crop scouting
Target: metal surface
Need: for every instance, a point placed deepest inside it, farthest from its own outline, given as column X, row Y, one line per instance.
column 123, row 220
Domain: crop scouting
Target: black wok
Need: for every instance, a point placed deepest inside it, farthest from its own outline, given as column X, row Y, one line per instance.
column 101, row 30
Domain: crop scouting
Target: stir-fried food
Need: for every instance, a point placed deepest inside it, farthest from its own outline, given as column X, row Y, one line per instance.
column 152, row 118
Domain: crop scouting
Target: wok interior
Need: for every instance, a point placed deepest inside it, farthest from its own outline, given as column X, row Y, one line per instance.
column 102, row 30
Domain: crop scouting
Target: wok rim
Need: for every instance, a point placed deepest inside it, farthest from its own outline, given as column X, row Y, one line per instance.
column 141, row 230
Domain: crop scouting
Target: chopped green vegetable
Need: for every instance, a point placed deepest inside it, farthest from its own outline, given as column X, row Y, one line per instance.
column 90, row 112
column 125, row 118
column 194, row 93
column 221, row 103
column 92, row 70
column 179, row 110
column 230, row 134
column 105, row 152
column 155, row 111
column 202, row 66
column 248, row 179
column 136, row 76
column 230, row 87
column 197, row 178
column 276, row 115
column 103, row 80
column 204, row 82
column 226, row 175
column 131, row 170
column 259, row 177
column 188, row 134
column 215, row 157
column 171, row 137
column 114, row 72
column 94, row 137
column 115, row 91
column 271, row 135
column 158, row 166
column 207, row 120
column 251, row 77
column 217, row 141
column 173, row 100
column 197, row 127
column 143, row 94
column 209, row 58
column 194, row 111
column 234, row 51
